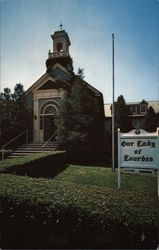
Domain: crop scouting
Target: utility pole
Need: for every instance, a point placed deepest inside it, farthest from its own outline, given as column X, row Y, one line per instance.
column 113, row 86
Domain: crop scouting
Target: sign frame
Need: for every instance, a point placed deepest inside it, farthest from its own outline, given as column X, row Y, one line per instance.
column 139, row 140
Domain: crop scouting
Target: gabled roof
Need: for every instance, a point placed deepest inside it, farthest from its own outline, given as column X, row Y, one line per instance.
column 78, row 79
column 95, row 93
column 34, row 85
column 48, row 76
column 144, row 102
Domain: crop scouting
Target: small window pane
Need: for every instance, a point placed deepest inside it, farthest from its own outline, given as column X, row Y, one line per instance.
column 138, row 109
column 133, row 108
column 143, row 109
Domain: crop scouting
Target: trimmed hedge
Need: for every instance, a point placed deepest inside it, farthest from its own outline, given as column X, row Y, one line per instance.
column 42, row 213
column 37, row 165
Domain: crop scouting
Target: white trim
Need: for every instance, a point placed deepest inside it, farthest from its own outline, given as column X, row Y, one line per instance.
column 50, row 104
column 42, row 114
column 131, row 108
column 35, row 84
column 38, row 83
column 141, row 106
column 42, row 82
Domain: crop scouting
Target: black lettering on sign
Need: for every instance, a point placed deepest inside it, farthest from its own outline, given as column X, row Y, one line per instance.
column 146, row 144
column 140, row 159
column 127, row 144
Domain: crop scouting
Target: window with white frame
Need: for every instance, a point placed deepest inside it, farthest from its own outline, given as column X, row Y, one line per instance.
column 47, row 109
column 133, row 109
column 143, row 108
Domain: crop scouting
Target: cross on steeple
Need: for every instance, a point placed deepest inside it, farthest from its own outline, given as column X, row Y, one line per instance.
column 60, row 26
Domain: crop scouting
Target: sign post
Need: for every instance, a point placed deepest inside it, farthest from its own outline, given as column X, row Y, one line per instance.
column 113, row 87
column 158, row 182
column 138, row 149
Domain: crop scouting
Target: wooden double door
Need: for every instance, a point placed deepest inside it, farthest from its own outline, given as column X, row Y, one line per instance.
column 49, row 126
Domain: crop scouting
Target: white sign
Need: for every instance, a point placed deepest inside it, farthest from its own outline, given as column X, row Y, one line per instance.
column 138, row 149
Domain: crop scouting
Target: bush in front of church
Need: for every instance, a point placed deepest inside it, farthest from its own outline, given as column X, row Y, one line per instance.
column 52, row 214
column 44, row 165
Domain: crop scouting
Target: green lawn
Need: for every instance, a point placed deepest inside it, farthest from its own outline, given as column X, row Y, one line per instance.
column 104, row 177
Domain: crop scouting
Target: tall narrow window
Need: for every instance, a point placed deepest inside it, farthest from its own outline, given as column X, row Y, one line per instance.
column 41, row 122
column 143, row 108
column 138, row 109
column 133, row 109
column 59, row 47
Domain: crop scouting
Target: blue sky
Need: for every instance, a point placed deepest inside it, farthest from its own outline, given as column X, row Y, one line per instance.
column 26, row 26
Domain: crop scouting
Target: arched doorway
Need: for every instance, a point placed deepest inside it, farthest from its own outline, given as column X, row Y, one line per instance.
column 47, row 120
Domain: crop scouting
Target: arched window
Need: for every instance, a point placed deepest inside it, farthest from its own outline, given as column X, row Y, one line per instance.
column 47, row 109
column 59, row 47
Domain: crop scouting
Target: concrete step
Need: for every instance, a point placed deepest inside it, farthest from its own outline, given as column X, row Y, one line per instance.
column 12, row 156
column 38, row 146
column 25, row 152
column 32, row 148
column 35, row 149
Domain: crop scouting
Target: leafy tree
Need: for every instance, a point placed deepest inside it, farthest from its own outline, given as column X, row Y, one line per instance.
column 80, row 124
column 6, row 102
column 15, row 117
column 122, row 113
column 6, row 115
column 19, row 111
column 151, row 120
column 18, row 92
column 122, row 121
column 7, row 94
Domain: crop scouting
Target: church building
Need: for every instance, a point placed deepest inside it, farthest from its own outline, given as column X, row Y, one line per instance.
column 45, row 95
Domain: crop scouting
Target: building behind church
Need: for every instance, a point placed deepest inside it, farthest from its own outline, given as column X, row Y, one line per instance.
column 138, row 112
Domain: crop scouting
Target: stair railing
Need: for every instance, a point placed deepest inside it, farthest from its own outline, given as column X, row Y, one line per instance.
column 14, row 139
column 46, row 143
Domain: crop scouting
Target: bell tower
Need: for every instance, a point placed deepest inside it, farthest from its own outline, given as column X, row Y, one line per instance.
column 61, row 43
column 60, row 54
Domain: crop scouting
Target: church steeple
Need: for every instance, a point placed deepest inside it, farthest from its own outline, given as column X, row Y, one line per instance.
column 60, row 54
column 61, row 43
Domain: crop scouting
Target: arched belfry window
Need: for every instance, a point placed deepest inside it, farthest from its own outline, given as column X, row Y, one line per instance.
column 59, row 47
column 48, row 109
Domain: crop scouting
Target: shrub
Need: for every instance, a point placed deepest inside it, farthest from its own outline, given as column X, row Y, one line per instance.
column 42, row 213
column 38, row 165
